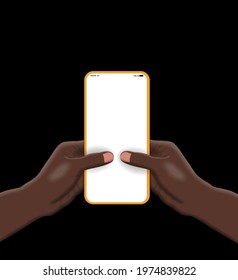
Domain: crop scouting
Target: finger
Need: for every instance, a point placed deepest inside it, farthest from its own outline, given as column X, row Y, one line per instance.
column 139, row 160
column 170, row 201
column 65, row 200
column 161, row 148
column 71, row 148
column 153, row 183
column 93, row 160
column 165, row 197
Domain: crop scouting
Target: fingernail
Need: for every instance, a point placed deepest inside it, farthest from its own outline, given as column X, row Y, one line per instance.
column 108, row 157
column 125, row 156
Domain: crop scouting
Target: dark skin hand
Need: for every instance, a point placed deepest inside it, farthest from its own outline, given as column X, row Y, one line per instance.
column 57, row 184
column 172, row 179
column 177, row 185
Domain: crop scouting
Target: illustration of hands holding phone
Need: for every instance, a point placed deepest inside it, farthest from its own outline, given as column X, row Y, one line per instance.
column 128, row 165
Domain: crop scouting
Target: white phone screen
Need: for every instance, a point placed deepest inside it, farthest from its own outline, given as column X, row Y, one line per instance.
column 116, row 119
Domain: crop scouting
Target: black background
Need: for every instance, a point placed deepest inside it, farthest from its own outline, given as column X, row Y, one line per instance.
column 193, row 103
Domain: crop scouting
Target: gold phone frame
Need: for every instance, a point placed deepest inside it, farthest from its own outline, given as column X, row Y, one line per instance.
column 148, row 132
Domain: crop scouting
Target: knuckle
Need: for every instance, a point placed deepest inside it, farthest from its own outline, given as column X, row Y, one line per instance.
column 62, row 146
column 171, row 145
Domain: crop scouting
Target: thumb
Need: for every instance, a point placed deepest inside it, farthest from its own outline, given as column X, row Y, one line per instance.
column 92, row 160
column 139, row 160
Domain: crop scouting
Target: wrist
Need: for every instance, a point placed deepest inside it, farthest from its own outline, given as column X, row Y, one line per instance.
column 31, row 200
column 17, row 210
column 201, row 205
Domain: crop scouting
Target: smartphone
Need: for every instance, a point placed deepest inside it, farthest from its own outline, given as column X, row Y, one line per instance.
column 116, row 119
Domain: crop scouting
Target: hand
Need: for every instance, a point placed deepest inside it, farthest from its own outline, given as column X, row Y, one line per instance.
column 175, row 182
column 61, row 179
column 172, row 178
column 57, row 184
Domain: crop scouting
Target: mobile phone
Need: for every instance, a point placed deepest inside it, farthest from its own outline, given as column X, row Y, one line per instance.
column 116, row 119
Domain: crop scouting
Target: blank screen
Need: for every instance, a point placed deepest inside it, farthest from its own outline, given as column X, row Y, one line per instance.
column 116, row 119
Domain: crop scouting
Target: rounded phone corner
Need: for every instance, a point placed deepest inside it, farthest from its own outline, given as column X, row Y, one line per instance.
column 146, row 199
column 87, row 199
column 146, row 75
column 88, row 74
